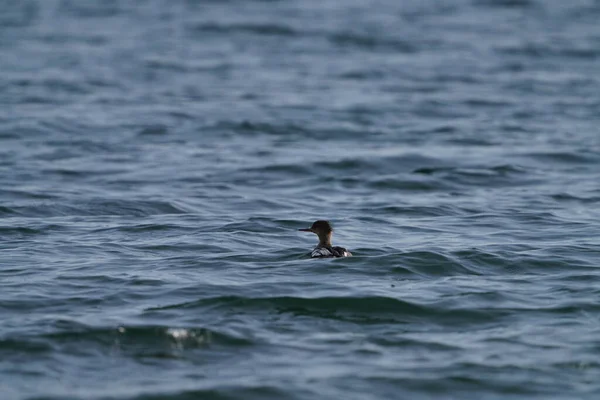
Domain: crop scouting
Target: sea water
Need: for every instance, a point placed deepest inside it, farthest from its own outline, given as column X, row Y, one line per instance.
column 158, row 157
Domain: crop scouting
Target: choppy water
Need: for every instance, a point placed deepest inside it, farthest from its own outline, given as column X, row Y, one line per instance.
column 158, row 157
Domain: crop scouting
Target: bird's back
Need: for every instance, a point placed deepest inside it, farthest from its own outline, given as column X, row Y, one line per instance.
column 331, row 251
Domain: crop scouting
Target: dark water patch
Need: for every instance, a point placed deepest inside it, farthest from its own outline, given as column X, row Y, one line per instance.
column 271, row 29
column 487, row 103
column 291, row 304
column 567, row 197
column 146, row 282
column 506, row 169
column 498, row 170
column 506, row 3
column 443, row 78
column 9, row 135
column 444, row 129
column 472, row 141
column 150, row 338
column 104, row 9
column 363, row 310
column 494, row 177
column 346, row 167
column 133, row 341
column 362, row 75
column 19, row 14
column 12, row 349
column 235, row 3
column 166, row 65
column 257, row 128
column 165, row 249
column 22, row 231
column 557, row 310
column 4, row 211
column 588, row 278
column 40, row 100
column 398, row 340
column 81, row 173
column 413, row 161
column 582, row 251
column 232, row 391
column 183, row 337
column 578, row 365
column 408, row 185
column 154, row 130
column 43, row 303
column 142, row 228
column 536, row 50
column 279, row 169
column 64, row 39
column 549, row 218
column 498, row 378
column 82, row 278
column 371, row 42
column 349, row 165
column 418, row 211
column 432, row 170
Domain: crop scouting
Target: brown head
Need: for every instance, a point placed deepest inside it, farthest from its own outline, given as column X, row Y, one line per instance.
column 323, row 230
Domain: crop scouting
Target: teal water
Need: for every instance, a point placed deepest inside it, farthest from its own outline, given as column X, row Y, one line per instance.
column 157, row 159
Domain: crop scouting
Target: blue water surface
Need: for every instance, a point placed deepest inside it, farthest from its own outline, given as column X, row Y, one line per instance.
column 158, row 157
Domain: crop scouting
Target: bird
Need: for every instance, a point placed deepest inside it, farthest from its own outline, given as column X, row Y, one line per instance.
column 324, row 249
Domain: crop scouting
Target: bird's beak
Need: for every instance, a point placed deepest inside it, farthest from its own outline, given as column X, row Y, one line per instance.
column 305, row 230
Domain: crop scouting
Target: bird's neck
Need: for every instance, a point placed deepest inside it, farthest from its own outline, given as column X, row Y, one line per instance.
column 325, row 240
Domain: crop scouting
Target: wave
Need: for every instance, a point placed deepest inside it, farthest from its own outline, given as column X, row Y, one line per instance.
column 134, row 208
column 267, row 29
column 219, row 392
column 152, row 338
column 372, row 42
column 567, row 197
column 507, row 3
column 564, row 157
column 363, row 310
column 547, row 51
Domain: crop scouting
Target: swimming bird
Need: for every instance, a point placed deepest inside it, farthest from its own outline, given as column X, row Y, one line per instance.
column 324, row 249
